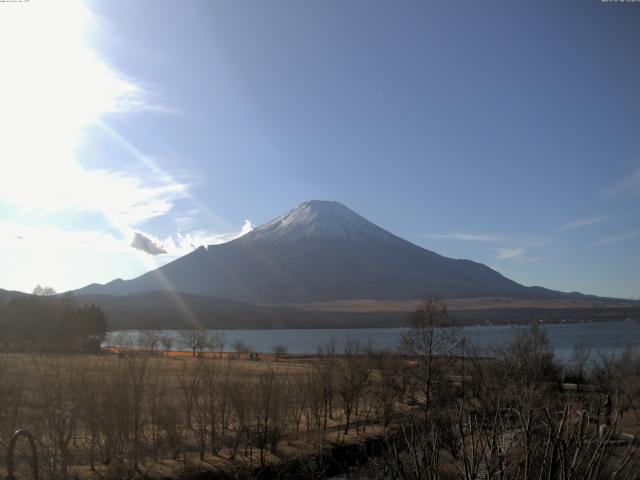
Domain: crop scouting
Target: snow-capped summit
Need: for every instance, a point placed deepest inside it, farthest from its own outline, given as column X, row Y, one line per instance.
column 318, row 219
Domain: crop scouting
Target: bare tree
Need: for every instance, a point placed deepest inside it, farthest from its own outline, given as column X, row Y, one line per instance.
column 219, row 342
column 150, row 340
column 135, row 369
column 157, row 404
column 241, row 347
column 317, row 402
column 193, row 386
column 387, row 388
column 620, row 376
column 352, row 377
column 12, row 389
column 325, row 381
column 298, row 394
column 578, row 364
column 430, row 333
column 39, row 290
column 270, row 411
column 279, row 350
column 167, row 344
column 60, row 407
column 194, row 339
column 210, row 402
column 527, row 367
column 90, row 395
column 241, row 400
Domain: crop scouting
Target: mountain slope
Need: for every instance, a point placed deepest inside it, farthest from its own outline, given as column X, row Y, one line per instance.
column 320, row 251
column 6, row 295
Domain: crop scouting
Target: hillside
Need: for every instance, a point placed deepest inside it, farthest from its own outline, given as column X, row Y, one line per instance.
column 174, row 310
column 6, row 295
column 162, row 310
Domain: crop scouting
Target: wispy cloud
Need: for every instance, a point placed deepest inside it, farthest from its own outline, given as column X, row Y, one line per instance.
column 516, row 247
column 122, row 199
column 584, row 222
column 506, row 253
column 55, row 87
column 516, row 254
column 618, row 238
column 187, row 219
column 183, row 243
column 630, row 185
column 470, row 237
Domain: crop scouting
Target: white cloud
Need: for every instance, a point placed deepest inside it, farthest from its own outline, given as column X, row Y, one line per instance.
column 630, row 185
column 509, row 253
column 618, row 238
column 516, row 255
column 584, row 222
column 186, row 219
column 472, row 237
column 513, row 253
column 183, row 243
column 54, row 86
column 145, row 244
column 121, row 199
column 247, row 226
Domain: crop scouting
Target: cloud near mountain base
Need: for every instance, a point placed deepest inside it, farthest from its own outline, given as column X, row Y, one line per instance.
column 184, row 243
column 145, row 244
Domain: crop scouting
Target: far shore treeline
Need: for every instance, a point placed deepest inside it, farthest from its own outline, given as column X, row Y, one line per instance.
column 46, row 322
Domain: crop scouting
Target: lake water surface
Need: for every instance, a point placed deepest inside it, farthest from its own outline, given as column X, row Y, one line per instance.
column 605, row 337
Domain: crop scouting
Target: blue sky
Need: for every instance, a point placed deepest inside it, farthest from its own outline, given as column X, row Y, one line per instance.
column 503, row 132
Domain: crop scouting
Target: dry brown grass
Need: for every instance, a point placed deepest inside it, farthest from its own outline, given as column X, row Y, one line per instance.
column 66, row 378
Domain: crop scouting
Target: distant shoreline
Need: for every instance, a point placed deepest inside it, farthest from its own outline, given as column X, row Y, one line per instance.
column 362, row 320
column 389, row 327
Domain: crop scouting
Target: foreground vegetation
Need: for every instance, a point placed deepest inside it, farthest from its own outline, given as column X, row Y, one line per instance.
column 417, row 414
column 47, row 322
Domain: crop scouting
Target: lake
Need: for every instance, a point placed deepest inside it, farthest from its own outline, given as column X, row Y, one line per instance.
column 607, row 337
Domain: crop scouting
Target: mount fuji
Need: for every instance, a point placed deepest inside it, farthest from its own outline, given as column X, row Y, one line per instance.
column 320, row 251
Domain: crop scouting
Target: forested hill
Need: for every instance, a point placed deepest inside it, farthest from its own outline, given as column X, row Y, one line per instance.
column 52, row 323
column 174, row 310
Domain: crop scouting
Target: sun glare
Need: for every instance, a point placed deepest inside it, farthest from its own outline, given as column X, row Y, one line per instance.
column 53, row 86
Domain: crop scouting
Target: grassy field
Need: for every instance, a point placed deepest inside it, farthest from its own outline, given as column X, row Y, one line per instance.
column 134, row 414
column 156, row 414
